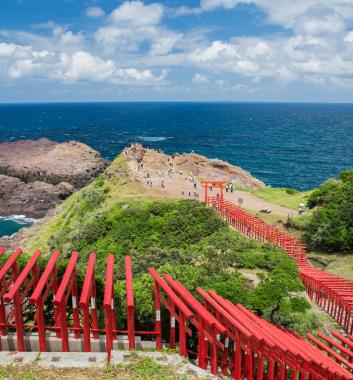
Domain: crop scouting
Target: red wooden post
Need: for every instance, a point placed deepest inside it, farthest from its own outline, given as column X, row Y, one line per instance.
column 15, row 295
column 202, row 346
column 237, row 349
column 109, row 305
column 130, row 303
column 260, row 365
column 10, row 265
column 214, row 353
column 49, row 274
column 172, row 327
column 182, row 335
column 66, row 287
column 184, row 311
column 88, row 291
column 158, row 323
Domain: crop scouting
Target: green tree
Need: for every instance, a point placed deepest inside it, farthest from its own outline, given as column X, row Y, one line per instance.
column 331, row 225
column 277, row 295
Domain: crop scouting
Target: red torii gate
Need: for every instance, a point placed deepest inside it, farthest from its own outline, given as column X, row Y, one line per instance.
column 209, row 185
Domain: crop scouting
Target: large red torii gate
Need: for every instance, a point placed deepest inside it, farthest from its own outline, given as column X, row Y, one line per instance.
column 209, row 185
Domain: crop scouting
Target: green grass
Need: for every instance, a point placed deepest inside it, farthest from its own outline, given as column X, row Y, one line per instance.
column 137, row 368
column 339, row 264
column 113, row 186
column 283, row 197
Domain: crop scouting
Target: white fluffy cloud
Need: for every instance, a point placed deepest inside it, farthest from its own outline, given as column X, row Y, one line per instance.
column 319, row 20
column 83, row 66
column 133, row 45
column 137, row 13
column 134, row 23
column 297, row 57
column 94, row 12
column 288, row 13
column 22, row 61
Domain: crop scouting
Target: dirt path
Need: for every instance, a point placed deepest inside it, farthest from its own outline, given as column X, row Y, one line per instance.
column 159, row 183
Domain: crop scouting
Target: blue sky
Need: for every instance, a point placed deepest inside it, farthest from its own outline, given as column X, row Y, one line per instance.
column 232, row 50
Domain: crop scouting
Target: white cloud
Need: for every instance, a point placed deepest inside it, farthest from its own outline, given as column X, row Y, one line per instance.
column 241, row 87
column 319, row 20
column 281, row 58
column 349, row 37
column 18, row 61
column 94, row 12
column 7, row 50
column 209, row 5
column 200, row 79
column 215, row 51
column 22, row 67
column 309, row 16
column 137, row 13
column 206, row 6
column 134, row 23
column 164, row 44
column 134, row 46
column 84, row 66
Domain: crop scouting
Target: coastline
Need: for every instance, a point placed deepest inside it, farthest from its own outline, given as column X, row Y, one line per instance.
column 11, row 225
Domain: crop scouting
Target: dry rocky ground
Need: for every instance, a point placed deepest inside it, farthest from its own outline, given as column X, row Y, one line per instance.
column 187, row 172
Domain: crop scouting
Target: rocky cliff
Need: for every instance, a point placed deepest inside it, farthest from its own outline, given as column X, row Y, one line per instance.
column 35, row 176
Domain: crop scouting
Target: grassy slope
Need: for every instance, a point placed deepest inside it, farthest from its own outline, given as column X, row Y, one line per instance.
column 339, row 264
column 120, row 187
column 282, row 197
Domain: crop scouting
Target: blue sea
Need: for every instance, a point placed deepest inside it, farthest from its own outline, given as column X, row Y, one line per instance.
column 283, row 144
column 10, row 225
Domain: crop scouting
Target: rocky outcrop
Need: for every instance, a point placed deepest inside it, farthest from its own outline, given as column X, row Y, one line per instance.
column 51, row 162
column 200, row 166
column 32, row 199
column 35, row 176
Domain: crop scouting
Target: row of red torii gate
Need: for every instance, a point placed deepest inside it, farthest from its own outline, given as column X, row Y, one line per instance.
column 225, row 338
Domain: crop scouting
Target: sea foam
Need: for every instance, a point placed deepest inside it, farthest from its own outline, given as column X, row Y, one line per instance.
column 153, row 138
column 19, row 219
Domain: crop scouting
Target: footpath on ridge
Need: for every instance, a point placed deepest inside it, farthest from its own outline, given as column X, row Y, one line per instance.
column 333, row 293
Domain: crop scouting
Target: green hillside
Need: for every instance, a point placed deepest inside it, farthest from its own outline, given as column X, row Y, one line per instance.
column 183, row 238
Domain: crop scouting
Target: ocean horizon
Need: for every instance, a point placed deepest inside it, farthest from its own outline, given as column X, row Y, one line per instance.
column 296, row 145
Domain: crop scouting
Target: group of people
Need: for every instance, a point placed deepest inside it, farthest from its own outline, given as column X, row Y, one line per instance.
column 229, row 188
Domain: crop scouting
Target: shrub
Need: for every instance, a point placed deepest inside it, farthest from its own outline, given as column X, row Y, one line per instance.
column 331, row 225
column 188, row 241
column 291, row 191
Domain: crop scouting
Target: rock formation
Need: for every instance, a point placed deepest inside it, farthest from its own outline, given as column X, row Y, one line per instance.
column 35, row 176
column 200, row 166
